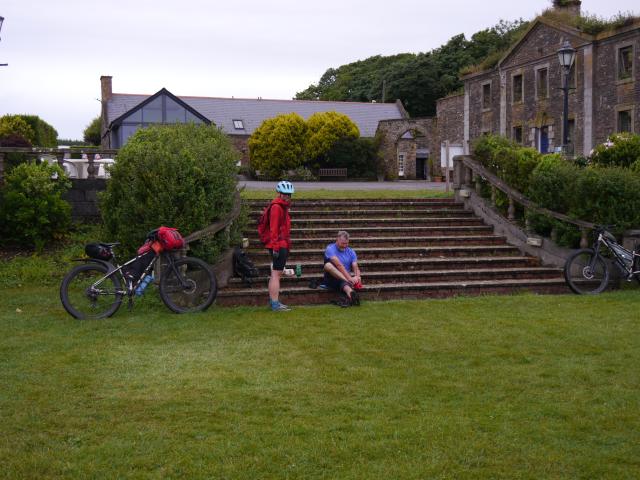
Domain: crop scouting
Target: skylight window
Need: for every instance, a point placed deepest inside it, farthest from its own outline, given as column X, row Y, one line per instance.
column 238, row 125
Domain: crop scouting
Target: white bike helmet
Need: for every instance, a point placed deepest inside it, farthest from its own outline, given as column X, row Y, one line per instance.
column 285, row 187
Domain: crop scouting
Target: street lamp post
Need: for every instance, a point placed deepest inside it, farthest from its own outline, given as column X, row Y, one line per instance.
column 566, row 57
column 2, row 20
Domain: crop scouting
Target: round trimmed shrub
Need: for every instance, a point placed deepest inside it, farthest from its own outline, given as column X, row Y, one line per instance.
column 180, row 175
column 620, row 150
column 277, row 145
column 32, row 210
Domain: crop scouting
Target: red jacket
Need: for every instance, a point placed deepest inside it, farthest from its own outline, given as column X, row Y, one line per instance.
column 279, row 225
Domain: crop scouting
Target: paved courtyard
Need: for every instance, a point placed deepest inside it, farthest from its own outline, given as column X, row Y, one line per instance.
column 398, row 185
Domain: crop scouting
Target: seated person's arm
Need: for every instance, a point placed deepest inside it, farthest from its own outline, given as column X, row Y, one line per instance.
column 356, row 273
column 338, row 264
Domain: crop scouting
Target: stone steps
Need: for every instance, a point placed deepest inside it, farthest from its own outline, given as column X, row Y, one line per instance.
column 416, row 231
column 343, row 223
column 380, row 213
column 417, row 248
column 315, row 266
column 303, row 295
column 393, row 242
column 412, row 276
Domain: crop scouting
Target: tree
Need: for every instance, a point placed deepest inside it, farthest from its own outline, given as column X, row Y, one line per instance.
column 37, row 132
column 324, row 130
column 14, row 127
column 92, row 133
column 278, row 144
column 417, row 80
column 179, row 175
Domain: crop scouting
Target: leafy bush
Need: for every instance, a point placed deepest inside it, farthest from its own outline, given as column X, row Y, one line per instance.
column 32, row 210
column 278, row 144
column 92, row 132
column 608, row 196
column 621, row 150
column 301, row 173
column 358, row 155
column 552, row 186
column 324, row 130
column 180, row 175
column 15, row 127
column 510, row 161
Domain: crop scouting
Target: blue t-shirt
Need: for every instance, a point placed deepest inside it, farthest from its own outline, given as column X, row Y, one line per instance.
column 346, row 256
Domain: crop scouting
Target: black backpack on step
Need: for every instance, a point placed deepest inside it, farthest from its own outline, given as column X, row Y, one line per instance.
column 243, row 267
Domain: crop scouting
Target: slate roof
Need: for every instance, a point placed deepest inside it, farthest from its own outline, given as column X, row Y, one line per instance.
column 252, row 112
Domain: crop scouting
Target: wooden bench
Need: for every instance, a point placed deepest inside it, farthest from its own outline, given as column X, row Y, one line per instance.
column 333, row 172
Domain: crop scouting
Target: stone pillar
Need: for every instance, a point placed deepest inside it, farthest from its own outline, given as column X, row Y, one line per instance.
column 587, row 142
column 503, row 103
column 466, row 119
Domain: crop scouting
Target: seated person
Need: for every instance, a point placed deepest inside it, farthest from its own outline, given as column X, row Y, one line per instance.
column 341, row 271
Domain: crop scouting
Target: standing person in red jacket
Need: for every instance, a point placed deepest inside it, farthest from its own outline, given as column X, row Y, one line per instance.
column 280, row 241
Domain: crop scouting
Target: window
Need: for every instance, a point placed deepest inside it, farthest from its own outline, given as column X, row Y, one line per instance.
column 516, row 134
column 152, row 112
column 625, row 121
column 238, row 125
column 517, row 88
column 401, row 164
column 625, row 62
column 486, row 96
column 542, row 83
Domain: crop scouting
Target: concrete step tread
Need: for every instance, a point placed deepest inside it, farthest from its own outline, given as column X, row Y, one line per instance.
column 411, row 261
column 500, row 283
column 346, row 220
column 359, row 250
column 416, row 273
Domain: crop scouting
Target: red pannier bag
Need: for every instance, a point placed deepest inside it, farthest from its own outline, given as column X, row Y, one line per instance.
column 170, row 238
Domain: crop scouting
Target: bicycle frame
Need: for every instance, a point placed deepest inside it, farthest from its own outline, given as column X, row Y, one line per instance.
column 618, row 252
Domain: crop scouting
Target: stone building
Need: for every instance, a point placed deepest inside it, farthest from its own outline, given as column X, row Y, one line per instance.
column 520, row 98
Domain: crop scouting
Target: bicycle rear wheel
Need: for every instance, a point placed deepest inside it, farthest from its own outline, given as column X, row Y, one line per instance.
column 189, row 287
column 584, row 274
column 85, row 297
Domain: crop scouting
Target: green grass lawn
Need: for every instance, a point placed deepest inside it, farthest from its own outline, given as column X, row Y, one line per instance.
column 492, row 387
column 323, row 194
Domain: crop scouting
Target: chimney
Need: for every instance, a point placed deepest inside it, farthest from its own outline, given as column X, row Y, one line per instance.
column 106, row 88
column 107, row 92
column 571, row 7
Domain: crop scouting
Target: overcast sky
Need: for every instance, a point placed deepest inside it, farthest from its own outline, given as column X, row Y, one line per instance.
column 57, row 50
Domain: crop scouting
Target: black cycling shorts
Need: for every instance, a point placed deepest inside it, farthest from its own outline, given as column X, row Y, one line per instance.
column 281, row 260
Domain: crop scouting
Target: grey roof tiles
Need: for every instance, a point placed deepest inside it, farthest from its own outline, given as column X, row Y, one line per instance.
column 252, row 112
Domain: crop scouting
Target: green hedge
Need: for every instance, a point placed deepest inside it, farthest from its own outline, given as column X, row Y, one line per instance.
column 182, row 176
column 604, row 191
column 32, row 211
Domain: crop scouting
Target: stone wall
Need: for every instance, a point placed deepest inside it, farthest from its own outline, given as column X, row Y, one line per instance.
column 83, row 197
column 449, row 125
column 391, row 132
column 611, row 94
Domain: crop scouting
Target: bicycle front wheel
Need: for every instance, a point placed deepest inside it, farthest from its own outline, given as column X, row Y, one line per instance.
column 585, row 274
column 86, row 293
column 189, row 286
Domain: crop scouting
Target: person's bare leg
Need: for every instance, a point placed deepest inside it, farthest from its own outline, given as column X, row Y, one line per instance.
column 331, row 269
column 274, row 285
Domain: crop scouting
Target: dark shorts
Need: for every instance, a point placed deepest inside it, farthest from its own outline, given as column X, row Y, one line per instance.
column 281, row 261
column 332, row 282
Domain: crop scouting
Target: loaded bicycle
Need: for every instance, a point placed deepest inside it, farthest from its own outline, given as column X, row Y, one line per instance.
column 587, row 271
column 96, row 288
